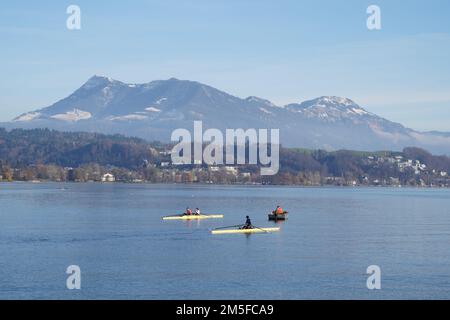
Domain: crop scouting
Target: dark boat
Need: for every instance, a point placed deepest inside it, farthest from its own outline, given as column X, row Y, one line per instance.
column 278, row 217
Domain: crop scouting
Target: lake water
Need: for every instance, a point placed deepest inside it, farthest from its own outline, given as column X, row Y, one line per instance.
column 114, row 232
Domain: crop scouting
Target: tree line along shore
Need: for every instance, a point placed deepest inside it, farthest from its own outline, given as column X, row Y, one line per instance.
column 48, row 155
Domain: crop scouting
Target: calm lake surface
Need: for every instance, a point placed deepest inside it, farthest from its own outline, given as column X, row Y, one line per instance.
column 114, row 232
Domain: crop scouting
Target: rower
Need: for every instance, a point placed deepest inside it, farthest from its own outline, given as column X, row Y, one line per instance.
column 248, row 224
column 279, row 210
column 188, row 212
column 197, row 211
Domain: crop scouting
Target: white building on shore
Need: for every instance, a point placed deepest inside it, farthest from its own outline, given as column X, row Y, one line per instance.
column 108, row 177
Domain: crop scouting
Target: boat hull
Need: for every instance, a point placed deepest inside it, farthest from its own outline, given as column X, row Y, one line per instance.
column 195, row 217
column 246, row 231
column 276, row 217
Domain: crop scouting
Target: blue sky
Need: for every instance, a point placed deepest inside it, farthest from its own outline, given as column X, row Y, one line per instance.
column 284, row 51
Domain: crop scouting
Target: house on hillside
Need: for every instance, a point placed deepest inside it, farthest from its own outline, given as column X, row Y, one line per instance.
column 108, row 177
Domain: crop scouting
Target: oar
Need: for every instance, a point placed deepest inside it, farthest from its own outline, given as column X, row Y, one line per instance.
column 239, row 225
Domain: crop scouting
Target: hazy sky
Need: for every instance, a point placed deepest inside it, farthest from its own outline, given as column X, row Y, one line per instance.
column 284, row 51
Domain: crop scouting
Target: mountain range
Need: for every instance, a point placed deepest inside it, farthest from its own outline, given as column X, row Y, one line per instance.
column 153, row 110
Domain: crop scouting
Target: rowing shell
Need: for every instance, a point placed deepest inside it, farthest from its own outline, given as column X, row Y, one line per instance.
column 254, row 230
column 194, row 217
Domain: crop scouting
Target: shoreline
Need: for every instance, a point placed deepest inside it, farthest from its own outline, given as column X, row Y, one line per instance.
column 228, row 185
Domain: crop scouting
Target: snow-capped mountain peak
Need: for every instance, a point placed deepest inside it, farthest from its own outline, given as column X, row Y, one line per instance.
column 154, row 109
column 334, row 100
column 98, row 81
column 330, row 108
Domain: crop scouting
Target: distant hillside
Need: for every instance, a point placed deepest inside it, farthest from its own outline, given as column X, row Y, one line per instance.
column 71, row 149
column 46, row 154
column 153, row 110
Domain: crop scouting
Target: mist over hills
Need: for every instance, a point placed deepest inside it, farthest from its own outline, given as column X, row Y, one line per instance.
column 153, row 110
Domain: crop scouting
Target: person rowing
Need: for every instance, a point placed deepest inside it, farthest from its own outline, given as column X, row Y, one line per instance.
column 188, row 212
column 248, row 224
column 278, row 211
column 197, row 212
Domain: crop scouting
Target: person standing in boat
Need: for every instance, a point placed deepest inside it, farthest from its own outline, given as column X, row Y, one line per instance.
column 248, row 224
column 188, row 212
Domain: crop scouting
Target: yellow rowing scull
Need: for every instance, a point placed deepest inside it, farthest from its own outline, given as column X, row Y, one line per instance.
column 194, row 217
column 254, row 230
